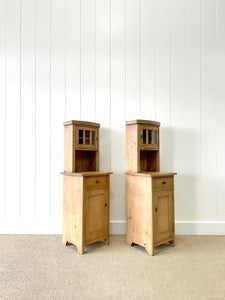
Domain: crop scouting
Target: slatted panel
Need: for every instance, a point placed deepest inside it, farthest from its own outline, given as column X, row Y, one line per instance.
column 118, row 102
column 103, row 80
column 148, row 60
column 13, row 113
column 220, row 157
column 43, row 109
column 57, row 107
column 179, row 147
column 72, row 59
column 28, row 104
column 133, row 59
column 208, row 110
column 193, row 107
column 2, row 107
column 88, row 62
column 110, row 61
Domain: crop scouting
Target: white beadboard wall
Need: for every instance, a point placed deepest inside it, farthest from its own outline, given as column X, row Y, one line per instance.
column 110, row 61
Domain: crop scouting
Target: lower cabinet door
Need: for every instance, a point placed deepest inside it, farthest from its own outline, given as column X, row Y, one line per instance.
column 96, row 214
column 163, row 215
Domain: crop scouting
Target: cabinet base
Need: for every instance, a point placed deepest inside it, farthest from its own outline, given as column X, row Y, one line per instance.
column 151, row 249
column 81, row 248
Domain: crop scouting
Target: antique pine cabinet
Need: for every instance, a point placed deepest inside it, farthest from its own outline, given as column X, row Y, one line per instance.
column 149, row 192
column 85, row 189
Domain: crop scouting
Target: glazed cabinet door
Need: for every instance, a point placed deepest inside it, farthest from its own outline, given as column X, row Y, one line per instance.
column 86, row 138
column 163, row 209
column 96, row 214
column 148, row 137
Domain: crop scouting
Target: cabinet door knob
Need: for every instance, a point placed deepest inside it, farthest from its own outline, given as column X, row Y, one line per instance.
column 141, row 136
column 156, row 209
column 164, row 182
column 97, row 181
column 105, row 204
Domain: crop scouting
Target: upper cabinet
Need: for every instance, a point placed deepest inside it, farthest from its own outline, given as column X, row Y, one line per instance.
column 142, row 146
column 81, row 146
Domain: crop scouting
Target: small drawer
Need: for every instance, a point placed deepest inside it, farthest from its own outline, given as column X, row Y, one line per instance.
column 159, row 183
column 99, row 181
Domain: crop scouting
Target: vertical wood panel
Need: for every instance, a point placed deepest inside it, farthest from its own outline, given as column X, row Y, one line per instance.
column 108, row 61
column 133, row 53
column 148, row 57
column 88, row 68
column 220, row 109
column 43, row 107
column 163, row 81
column 193, row 110
column 2, row 106
column 57, row 106
column 117, row 188
column 103, row 84
column 178, row 101
column 208, row 109
column 13, row 111
column 72, row 56
column 28, row 109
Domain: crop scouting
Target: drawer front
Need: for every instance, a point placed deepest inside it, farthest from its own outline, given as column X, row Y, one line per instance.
column 160, row 183
column 98, row 181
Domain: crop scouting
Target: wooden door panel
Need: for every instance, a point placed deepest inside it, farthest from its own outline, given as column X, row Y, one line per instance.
column 163, row 214
column 96, row 212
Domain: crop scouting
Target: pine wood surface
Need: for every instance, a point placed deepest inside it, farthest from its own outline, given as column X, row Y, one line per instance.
column 149, row 192
column 85, row 209
column 150, row 211
column 151, row 174
column 86, row 174
column 139, row 121
column 81, row 153
column 84, row 123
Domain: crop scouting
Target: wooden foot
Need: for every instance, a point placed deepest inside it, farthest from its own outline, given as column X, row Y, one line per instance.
column 172, row 243
column 150, row 250
column 80, row 249
column 107, row 241
column 129, row 242
column 65, row 242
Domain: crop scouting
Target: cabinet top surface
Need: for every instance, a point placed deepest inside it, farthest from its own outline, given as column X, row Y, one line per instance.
column 152, row 174
column 145, row 122
column 83, row 123
column 87, row 174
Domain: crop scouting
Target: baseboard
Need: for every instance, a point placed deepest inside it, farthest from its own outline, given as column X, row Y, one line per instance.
column 116, row 227
column 30, row 227
column 199, row 228
column 181, row 228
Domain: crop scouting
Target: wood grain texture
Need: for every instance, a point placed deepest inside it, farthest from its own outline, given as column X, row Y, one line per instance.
column 85, row 210
column 81, row 152
column 150, row 211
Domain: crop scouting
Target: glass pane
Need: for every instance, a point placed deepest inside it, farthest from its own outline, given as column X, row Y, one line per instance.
column 93, row 137
column 87, row 137
column 80, row 137
column 154, row 137
column 150, row 136
column 144, row 136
